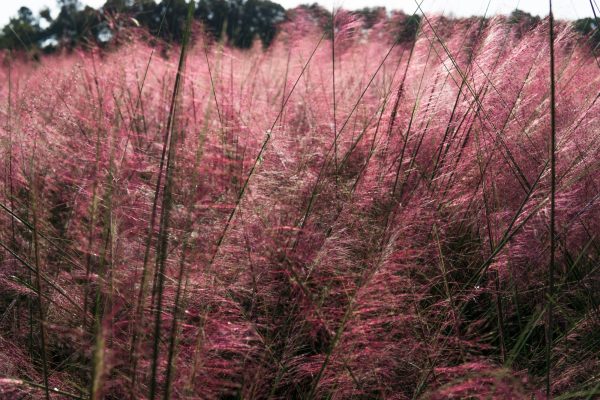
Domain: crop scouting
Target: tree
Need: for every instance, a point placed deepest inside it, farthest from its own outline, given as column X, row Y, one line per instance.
column 117, row 6
column 74, row 24
column 523, row 20
column 214, row 15
column 371, row 15
column 409, row 28
column 589, row 27
column 251, row 18
column 242, row 21
column 22, row 32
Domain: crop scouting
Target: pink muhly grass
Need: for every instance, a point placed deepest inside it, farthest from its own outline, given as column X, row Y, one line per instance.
column 358, row 213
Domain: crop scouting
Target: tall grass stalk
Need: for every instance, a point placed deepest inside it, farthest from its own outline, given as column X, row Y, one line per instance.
column 163, row 236
column 138, row 317
column 105, row 290
column 552, row 264
column 38, row 273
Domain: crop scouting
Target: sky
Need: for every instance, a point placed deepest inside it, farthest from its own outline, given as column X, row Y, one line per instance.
column 563, row 9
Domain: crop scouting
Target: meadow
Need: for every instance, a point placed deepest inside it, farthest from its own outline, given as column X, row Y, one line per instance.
column 394, row 213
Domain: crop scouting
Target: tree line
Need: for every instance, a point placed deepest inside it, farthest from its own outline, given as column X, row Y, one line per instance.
column 238, row 22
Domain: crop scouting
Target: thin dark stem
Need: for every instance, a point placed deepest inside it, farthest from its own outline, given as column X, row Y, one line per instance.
column 552, row 266
column 38, row 281
column 162, row 250
column 138, row 321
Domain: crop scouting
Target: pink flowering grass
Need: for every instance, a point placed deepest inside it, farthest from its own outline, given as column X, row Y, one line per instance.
column 358, row 218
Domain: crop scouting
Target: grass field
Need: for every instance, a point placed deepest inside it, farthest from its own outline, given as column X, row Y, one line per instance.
column 368, row 217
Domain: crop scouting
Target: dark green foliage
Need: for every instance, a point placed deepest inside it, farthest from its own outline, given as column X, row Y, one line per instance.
column 171, row 14
column 318, row 14
column 118, row 6
column 74, row 24
column 589, row 27
column 22, row 32
column 370, row 15
column 214, row 14
column 257, row 17
column 519, row 16
column 524, row 20
column 409, row 28
column 241, row 21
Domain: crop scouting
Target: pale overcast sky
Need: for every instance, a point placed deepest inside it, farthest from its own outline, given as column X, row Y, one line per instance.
column 563, row 9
